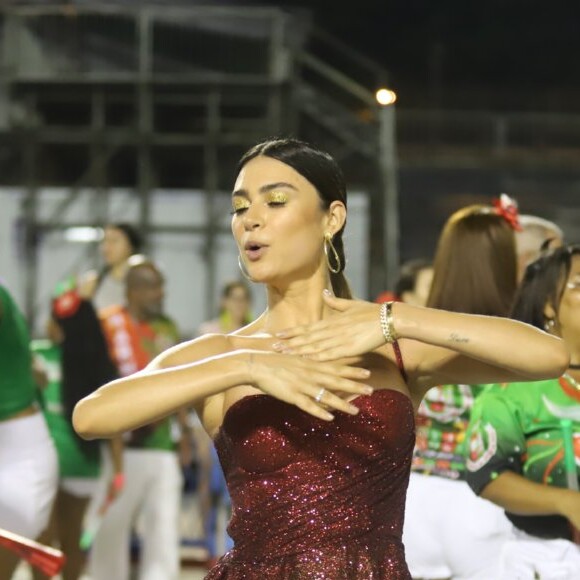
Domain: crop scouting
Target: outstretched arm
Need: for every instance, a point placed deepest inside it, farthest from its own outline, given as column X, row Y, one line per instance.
column 166, row 385
column 450, row 347
column 189, row 374
column 441, row 346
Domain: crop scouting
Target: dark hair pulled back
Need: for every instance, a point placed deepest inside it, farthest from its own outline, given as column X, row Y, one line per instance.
column 322, row 171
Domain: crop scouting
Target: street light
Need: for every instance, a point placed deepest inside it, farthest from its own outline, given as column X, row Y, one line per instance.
column 388, row 167
column 386, row 97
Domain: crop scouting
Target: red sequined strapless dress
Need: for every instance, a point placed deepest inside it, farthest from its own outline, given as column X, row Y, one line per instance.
column 313, row 499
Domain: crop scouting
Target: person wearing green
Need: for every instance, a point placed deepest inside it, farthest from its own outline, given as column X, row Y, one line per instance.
column 28, row 464
column 523, row 449
column 74, row 360
column 77, row 469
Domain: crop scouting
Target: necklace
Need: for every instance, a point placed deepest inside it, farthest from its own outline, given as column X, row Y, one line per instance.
column 572, row 381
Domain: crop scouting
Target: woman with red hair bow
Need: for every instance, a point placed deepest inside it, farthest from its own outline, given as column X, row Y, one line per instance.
column 449, row 531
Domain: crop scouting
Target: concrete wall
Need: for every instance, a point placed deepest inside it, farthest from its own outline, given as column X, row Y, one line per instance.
column 179, row 255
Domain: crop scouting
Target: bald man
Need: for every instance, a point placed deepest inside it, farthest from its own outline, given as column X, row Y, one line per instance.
column 136, row 333
column 536, row 232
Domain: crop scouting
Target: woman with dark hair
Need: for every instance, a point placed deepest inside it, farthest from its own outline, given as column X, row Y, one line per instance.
column 524, row 439
column 449, row 532
column 310, row 407
column 76, row 362
column 414, row 283
column 107, row 287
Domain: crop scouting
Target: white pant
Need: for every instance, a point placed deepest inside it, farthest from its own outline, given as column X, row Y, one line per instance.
column 527, row 558
column 28, row 475
column 152, row 493
column 80, row 486
column 451, row 532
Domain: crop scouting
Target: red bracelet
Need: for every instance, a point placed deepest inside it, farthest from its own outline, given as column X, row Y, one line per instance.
column 119, row 481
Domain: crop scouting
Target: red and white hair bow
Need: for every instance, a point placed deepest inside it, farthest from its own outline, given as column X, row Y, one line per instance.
column 507, row 208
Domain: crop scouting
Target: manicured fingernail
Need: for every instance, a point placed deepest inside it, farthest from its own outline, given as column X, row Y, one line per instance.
column 368, row 390
column 277, row 346
column 328, row 416
column 327, row 292
column 365, row 373
column 353, row 410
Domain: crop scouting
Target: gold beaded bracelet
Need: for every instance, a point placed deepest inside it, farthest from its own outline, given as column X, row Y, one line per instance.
column 387, row 324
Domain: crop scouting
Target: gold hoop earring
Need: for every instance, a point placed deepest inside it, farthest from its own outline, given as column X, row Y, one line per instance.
column 328, row 243
column 243, row 269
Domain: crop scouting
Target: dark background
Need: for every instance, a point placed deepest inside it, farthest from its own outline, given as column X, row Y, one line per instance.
column 500, row 54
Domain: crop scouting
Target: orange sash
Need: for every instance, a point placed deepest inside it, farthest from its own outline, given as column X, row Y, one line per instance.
column 126, row 339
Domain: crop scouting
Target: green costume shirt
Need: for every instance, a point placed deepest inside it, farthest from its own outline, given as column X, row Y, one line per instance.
column 442, row 422
column 17, row 387
column 517, row 427
column 72, row 461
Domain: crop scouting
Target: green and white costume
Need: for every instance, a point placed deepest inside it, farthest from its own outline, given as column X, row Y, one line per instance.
column 448, row 530
column 28, row 465
column 517, row 427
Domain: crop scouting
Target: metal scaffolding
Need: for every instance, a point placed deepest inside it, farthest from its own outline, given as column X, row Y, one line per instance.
column 104, row 96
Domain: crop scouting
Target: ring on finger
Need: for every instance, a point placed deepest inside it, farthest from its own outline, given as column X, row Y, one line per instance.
column 320, row 394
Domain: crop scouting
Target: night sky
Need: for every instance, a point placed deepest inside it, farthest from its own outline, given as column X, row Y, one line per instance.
column 526, row 52
column 497, row 55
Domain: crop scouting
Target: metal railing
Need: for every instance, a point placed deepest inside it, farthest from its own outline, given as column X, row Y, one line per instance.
column 499, row 133
column 177, row 44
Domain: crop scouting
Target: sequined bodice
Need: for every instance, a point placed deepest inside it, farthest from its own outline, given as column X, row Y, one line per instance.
column 313, row 499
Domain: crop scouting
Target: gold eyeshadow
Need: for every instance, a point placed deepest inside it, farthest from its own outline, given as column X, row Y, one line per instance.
column 239, row 203
column 277, row 197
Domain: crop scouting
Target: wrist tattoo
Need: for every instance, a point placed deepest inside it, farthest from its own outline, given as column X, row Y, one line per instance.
column 454, row 337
